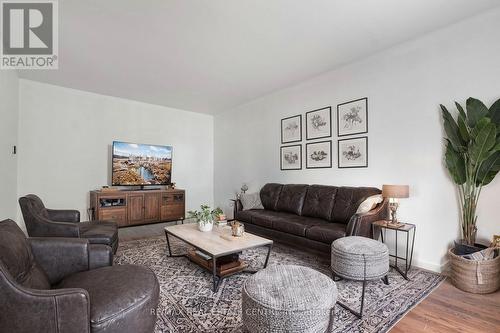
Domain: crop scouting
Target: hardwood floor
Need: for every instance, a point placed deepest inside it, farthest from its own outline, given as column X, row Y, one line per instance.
column 446, row 310
column 449, row 310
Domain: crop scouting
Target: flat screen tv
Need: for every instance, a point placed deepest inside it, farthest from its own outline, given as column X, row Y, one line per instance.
column 141, row 164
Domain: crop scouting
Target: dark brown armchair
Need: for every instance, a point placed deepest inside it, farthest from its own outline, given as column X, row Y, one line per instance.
column 68, row 285
column 43, row 222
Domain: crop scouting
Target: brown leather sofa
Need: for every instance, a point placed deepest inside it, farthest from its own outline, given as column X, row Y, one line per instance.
column 68, row 285
column 311, row 216
column 43, row 222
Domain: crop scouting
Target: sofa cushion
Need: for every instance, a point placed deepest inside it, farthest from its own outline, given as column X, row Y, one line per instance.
column 122, row 297
column 347, row 201
column 16, row 256
column 244, row 215
column 319, row 201
column 251, row 201
column 269, row 195
column 292, row 198
column 294, row 224
column 326, row 233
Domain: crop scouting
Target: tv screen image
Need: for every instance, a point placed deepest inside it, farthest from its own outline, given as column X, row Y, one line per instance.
column 141, row 164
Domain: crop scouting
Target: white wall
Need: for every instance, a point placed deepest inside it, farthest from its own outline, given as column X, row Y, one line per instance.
column 8, row 138
column 404, row 86
column 65, row 137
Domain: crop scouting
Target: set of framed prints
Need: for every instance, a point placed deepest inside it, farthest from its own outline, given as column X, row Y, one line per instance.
column 352, row 119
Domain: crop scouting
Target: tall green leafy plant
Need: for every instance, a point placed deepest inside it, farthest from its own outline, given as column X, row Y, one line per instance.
column 472, row 155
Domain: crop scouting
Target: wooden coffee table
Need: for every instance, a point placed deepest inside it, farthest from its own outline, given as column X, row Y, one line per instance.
column 216, row 243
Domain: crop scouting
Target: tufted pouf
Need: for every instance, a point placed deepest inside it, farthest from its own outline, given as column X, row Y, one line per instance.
column 350, row 256
column 288, row 298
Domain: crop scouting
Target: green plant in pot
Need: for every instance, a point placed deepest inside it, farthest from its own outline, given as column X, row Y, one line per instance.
column 473, row 160
column 205, row 217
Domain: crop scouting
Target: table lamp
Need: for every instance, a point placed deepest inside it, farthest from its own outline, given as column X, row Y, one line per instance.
column 394, row 193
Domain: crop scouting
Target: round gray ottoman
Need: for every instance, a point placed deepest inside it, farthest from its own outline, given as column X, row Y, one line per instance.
column 288, row 298
column 360, row 259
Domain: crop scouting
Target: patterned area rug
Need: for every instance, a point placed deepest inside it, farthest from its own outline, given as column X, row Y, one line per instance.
column 187, row 303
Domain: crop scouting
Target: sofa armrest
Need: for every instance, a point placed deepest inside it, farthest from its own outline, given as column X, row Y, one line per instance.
column 64, row 215
column 60, row 257
column 100, row 255
column 361, row 224
column 31, row 310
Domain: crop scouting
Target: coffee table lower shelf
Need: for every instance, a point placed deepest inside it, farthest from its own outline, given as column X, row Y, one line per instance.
column 223, row 270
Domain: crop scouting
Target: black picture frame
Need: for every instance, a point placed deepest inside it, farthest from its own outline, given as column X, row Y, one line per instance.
column 339, row 152
column 281, row 157
column 319, row 167
column 300, row 129
column 329, row 108
column 366, row 116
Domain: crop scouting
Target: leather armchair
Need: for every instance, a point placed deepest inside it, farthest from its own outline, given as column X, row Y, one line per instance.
column 68, row 285
column 43, row 222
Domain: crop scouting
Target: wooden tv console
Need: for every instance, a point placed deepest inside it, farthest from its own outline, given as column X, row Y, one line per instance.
column 129, row 208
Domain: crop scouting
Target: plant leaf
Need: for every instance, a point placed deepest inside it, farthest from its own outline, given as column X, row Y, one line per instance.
column 483, row 143
column 494, row 113
column 451, row 129
column 479, row 127
column 460, row 110
column 463, row 129
column 475, row 111
column 455, row 164
column 489, row 169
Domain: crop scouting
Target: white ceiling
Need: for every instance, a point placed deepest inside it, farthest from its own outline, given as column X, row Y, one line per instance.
column 211, row 55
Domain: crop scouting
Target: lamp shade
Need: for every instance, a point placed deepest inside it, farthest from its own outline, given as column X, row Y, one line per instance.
column 395, row 191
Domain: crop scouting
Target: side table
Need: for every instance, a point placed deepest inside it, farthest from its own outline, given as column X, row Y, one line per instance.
column 405, row 228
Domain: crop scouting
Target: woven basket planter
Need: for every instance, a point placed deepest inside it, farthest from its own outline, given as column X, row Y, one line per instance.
column 478, row 277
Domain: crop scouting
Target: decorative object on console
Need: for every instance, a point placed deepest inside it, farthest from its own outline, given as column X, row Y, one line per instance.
column 319, row 155
column 319, row 123
column 205, row 217
column 251, row 201
column 353, row 153
column 244, row 188
column 291, row 157
column 394, row 193
column 352, row 117
column 473, row 160
column 291, row 129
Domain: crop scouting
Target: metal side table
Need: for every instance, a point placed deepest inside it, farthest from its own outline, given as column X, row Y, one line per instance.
column 407, row 228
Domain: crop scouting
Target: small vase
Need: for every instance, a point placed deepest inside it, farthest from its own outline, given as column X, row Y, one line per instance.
column 205, row 226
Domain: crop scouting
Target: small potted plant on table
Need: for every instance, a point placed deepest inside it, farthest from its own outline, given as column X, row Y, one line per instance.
column 473, row 160
column 205, row 217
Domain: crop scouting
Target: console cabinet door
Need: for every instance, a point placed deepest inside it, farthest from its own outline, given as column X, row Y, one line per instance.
column 135, row 208
column 152, row 207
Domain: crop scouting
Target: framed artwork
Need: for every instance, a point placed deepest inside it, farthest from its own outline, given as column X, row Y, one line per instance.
column 319, row 123
column 319, row 154
column 291, row 157
column 291, row 129
column 353, row 153
column 352, row 117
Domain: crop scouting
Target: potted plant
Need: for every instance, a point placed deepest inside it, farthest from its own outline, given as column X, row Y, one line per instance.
column 473, row 160
column 205, row 217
